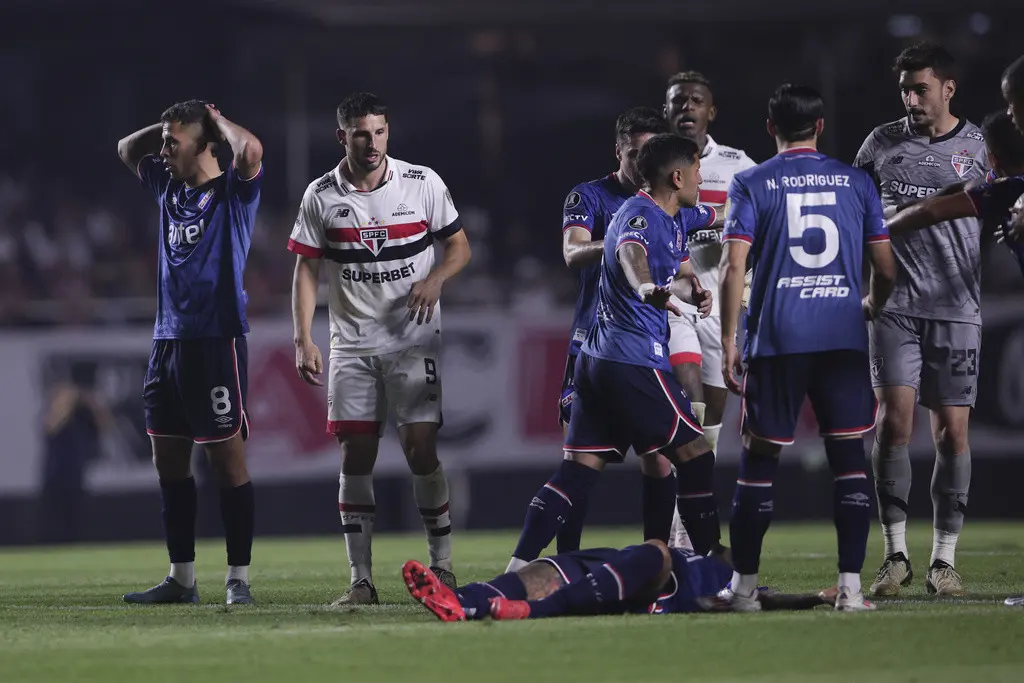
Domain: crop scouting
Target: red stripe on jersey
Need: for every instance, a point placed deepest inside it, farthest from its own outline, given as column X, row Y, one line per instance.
column 395, row 232
column 304, row 249
column 878, row 238
column 713, row 196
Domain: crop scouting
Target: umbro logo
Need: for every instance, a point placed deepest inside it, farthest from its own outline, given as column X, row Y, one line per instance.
column 403, row 210
column 224, row 419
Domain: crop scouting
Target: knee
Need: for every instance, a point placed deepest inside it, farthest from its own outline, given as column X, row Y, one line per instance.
column 358, row 454
column 227, row 463
column 173, row 464
column 896, row 426
column 760, row 447
column 695, row 448
column 656, row 466
column 951, row 439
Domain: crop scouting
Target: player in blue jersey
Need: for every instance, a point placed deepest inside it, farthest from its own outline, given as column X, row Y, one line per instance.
column 626, row 395
column 641, row 579
column 805, row 220
column 196, row 383
column 587, row 212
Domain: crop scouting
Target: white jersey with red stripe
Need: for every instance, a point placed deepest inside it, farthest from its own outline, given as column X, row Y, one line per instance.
column 718, row 165
column 375, row 246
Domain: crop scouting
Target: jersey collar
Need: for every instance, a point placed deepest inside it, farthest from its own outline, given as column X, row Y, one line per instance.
column 799, row 150
column 942, row 138
column 709, row 148
column 343, row 182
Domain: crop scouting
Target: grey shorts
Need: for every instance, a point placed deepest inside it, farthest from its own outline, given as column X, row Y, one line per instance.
column 938, row 358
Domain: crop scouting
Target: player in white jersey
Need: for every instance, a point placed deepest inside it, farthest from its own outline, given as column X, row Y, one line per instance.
column 695, row 344
column 372, row 220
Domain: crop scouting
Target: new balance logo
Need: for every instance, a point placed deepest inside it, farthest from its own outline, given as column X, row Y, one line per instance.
column 403, row 210
column 342, row 213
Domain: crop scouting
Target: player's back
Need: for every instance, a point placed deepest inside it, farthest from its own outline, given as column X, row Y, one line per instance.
column 807, row 218
column 626, row 329
column 590, row 206
column 206, row 232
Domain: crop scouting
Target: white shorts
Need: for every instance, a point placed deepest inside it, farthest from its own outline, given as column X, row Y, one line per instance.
column 697, row 340
column 364, row 391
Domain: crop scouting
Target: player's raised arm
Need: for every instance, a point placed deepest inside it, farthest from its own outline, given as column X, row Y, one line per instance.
column 632, row 255
column 139, row 144
column 246, row 148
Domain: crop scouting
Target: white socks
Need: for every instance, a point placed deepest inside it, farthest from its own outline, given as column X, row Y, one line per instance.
column 431, row 494
column 851, row 581
column 358, row 511
column 944, row 546
column 184, row 573
column 238, row 573
column 895, row 538
column 744, row 585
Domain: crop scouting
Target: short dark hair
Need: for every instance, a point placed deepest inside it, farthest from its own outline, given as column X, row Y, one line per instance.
column 1014, row 77
column 1003, row 138
column 794, row 111
column 360, row 104
column 661, row 151
column 688, row 77
column 640, row 120
column 926, row 55
column 192, row 111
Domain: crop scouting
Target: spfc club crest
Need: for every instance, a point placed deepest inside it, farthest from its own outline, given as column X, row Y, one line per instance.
column 962, row 162
column 374, row 239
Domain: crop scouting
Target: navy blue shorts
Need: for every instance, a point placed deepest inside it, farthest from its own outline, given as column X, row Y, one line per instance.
column 618, row 406
column 838, row 384
column 575, row 565
column 568, row 391
column 195, row 389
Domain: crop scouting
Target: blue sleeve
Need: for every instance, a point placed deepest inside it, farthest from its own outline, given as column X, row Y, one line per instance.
column 245, row 190
column 995, row 199
column 579, row 210
column 696, row 218
column 875, row 229
column 636, row 231
column 153, row 175
column 740, row 223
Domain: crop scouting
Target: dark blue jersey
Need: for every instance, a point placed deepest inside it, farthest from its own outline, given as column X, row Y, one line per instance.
column 993, row 201
column 807, row 218
column 626, row 329
column 590, row 206
column 693, row 576
column 205, row 234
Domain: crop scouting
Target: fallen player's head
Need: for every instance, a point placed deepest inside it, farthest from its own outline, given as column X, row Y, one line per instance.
column 671, row 162
column 1013, row 91
column 926, row 73
column 363, row 130
column 633, row 128
column 188, row 135
column 1004, row 142
column 689, row 104
column 795, row 114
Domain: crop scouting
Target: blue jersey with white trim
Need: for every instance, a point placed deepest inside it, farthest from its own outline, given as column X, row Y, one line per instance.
column 590, row 206
column 626, row 329
column 993, row 201
column 807, row 218
column 205, row 234
column 693, row 576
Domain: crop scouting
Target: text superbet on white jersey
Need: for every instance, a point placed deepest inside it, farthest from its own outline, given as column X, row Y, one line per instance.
column 718, row 165
column 375, row 245
column 807, row 218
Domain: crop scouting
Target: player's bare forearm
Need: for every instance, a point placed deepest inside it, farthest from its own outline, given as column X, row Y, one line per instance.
column 457, row 253
column 579, row 250
column 883, row 273
column 682, row 284
column 304, row 286
column 246, row 148
column 633, row 259
column 139, row 144
column 733, row 269
column 935, row 209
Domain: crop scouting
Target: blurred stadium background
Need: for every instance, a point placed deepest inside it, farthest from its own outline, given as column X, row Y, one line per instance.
column 513, row 104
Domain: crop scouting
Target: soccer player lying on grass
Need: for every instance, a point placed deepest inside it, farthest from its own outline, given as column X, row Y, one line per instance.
column 648, row 578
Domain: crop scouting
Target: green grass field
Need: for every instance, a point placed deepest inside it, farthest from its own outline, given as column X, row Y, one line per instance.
column 62, row 619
